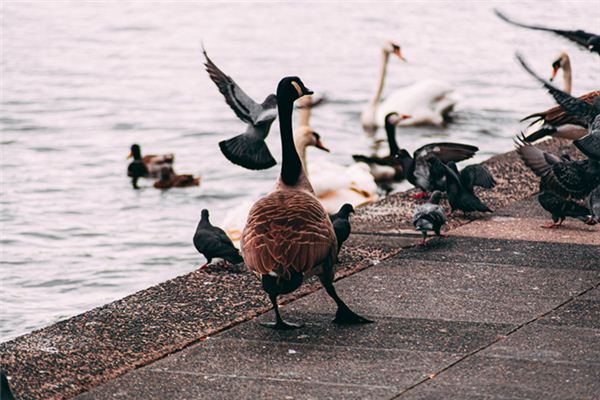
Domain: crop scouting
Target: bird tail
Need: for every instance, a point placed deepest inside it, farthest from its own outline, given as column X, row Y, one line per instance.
column 540, row 133
column 248, row 151
column 589, row 145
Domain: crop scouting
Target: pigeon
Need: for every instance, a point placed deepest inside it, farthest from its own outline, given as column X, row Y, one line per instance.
column 570, row 179
column 587, row 113
column 594, row 203
column 5, row 392
column 560, row 207
column 248, row 149
column 587, row 40
column 213, row 242
column 459, row 186
column 430, row 216
column 341, row 224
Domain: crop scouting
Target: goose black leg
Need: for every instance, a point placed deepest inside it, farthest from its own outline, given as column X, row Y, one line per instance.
column 344, row 314
column 274, row 287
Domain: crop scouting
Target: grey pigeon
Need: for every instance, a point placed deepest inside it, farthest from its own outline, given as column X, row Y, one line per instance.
column 588, row 113
column 341, row 224
column 429, row 217
column 212, row 242
column 248, row 149
column 587, row 40
column 460, row 187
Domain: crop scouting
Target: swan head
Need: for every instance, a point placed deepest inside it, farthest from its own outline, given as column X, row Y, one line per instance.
column 394, row 118
column 305, row 136
column 392, row 48
column 291, row 88
column 562, row 61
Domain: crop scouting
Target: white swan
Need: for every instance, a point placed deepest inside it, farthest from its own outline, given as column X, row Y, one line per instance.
column 427, row 102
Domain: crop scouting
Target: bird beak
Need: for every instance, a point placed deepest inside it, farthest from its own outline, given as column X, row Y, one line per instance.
column 129, row 156
column 554, row 71
column 405, row 116
column 306, row 91
column 321, row 146
column 399, row 54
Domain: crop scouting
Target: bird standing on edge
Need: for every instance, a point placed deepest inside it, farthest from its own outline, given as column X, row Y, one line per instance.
column 288, row 234
column 248, row 149
column 430, row 216
column 341, row 224
column 212, row 242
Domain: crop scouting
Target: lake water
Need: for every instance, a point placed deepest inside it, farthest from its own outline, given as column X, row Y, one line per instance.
column 82, row 81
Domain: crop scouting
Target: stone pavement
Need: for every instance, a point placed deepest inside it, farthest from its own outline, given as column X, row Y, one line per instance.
column 501, row 309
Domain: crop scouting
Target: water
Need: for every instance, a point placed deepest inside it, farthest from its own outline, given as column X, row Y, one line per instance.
column 82, row 81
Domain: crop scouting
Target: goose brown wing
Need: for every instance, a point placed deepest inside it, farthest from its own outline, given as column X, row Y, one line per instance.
column 244, row 107
column 287, row 229
column 558, row 116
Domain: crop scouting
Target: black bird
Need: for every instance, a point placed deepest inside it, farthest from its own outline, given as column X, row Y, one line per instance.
column 563, row 176
column 148, row 166
column 459, row 186
column 341, row 224
column 587, row 40
column 588, row 113
column 594, row 203
column 213, row 242
column 560, row 208
column 430, row 216
column 249, row 149
column 5, row 392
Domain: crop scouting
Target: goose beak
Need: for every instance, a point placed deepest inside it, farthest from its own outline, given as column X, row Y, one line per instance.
column 399, row 54
column 129, row 156
column 306, row 91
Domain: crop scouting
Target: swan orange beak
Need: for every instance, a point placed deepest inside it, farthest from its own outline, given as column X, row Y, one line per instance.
column 321, row 146
column 554, row 72
column 405, row 116
column 399, row 54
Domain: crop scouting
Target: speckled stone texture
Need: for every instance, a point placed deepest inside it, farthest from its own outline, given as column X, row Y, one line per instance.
column 434, row 307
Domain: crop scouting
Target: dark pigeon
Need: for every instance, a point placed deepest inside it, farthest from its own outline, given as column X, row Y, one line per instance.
column 459, row 186
column 341, row 224
column 5, row 392
column 213, row 242
column 248, row 149
column 587, row 40
column 560, row 208
column 594, row 203
column 430, row 217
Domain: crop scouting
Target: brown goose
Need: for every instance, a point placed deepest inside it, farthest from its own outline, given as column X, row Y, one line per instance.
column 288, row 234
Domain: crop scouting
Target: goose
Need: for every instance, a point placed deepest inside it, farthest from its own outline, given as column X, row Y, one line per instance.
column 168, row 179
column 555, row 121
column 288, row 234
column 334, row 184
column 248, row 149
column 148, row 166
column 589, row 114
column 586, row 40
column 430, row 216
column 427, row 101
column 212, row 242
column 562, row 181
column 459, row 186
column 341, row 224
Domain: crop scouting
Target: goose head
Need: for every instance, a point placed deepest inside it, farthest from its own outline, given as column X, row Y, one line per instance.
column 291, row 88
column 135, row 152
column 562, row 61
column 390, row 47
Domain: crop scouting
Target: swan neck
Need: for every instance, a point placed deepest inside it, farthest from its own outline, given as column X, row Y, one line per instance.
column 379, row 89
column 304, row 114
column 567, row 76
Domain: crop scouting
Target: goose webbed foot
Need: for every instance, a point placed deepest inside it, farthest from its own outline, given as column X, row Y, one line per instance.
column 345, row 316
column 281, row 325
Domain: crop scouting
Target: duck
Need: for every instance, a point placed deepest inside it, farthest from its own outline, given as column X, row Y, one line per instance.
column 249, row 149
column 555, row 121
column 586, row 40
column 429, row 102
column 341, row 224
column 460, row 187
column 430, row 216
column 212, row 242
column 334, row 184
column 288, row 235
column 148, row 166
column 168, row 179
column 588, row 114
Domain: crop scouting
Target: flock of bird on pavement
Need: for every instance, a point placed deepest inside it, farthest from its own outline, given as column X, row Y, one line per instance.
column 297, row 229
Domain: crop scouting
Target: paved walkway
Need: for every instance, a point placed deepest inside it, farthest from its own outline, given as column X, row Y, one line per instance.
column 501, row 309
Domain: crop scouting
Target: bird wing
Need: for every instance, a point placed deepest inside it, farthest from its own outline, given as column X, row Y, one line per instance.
column 446, row 151
column 590, row 143
column 572, row 105
column 476, row 175
column 540, row 162
column 287, row 229
column 558, row 116
column 578, row 36
column 244, row 107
